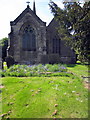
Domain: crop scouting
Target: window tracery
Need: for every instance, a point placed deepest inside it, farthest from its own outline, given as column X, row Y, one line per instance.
column 29, row 39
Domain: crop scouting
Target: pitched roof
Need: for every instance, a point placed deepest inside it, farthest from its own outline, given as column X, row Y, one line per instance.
column 27, row 10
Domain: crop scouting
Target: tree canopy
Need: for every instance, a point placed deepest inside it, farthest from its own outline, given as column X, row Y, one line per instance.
column 4, row 45
column 74, row 26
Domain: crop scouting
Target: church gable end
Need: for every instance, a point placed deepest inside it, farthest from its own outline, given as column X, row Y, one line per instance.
column 57, row 48
column 28, row 38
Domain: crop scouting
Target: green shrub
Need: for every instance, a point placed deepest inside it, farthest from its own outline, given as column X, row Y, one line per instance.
column 33, row 70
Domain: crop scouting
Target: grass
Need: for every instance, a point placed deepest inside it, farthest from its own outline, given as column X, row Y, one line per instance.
column 40, row 97
column 79, row 69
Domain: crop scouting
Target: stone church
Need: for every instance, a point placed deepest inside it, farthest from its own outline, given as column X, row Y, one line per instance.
column 32, row 42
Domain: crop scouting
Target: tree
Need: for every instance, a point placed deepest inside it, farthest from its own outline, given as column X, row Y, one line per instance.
column 4, row 45
column 74, row 26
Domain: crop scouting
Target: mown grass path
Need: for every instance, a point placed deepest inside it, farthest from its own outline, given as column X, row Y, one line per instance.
column 45, row 97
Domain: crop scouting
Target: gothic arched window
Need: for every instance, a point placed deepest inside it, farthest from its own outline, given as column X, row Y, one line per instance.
column 29, row 39
column 56, row 45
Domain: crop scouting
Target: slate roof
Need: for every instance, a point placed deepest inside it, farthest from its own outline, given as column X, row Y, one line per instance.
column 22, row 15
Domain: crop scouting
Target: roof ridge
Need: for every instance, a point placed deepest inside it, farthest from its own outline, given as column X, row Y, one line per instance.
column 28, row 9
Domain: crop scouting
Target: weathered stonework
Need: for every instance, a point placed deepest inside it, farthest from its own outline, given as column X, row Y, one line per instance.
column 44, row 52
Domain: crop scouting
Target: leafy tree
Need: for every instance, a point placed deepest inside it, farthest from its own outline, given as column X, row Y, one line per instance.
column 74, row 26
column 4, row 45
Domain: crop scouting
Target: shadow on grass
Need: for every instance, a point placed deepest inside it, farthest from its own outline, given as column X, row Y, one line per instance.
column 73, row 65
column 70, row 65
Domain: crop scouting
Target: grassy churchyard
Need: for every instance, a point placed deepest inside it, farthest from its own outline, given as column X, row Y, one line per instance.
column 50, row 91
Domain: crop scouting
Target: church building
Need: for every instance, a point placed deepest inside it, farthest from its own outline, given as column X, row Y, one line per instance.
column 32, row 42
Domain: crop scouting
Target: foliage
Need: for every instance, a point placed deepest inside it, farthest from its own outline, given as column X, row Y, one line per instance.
column 4, row 45
column 34, row 70
column 74, row 26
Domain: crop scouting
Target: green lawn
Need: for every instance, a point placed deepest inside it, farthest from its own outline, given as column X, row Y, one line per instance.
column 79, row 70
column 46, row 97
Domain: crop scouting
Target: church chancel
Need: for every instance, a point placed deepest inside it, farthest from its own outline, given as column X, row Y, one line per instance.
column 32, row 42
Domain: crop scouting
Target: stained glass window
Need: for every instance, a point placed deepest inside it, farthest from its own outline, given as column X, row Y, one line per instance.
column 29, row 39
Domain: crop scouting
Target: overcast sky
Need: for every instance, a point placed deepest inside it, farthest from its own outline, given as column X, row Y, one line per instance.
column 11, row 9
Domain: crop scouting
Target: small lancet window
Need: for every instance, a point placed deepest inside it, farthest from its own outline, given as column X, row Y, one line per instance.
column 56, row 45
column 29, row 39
